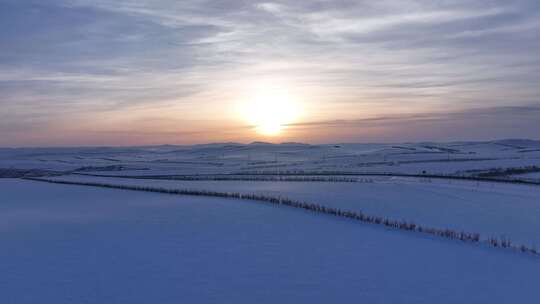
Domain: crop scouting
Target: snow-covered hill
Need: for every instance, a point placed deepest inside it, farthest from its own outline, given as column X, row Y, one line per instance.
column 463, row 158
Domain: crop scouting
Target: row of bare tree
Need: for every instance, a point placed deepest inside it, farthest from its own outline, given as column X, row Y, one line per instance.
column 317, row 208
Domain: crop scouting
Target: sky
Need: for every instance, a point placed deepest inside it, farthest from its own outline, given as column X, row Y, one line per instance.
column 141, row 72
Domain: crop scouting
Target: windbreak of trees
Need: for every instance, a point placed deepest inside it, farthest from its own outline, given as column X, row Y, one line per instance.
column 268, row 178
column 276, row 179
column 100, row 168
column 497, row 172
column 498, row 178
column 317, row 208
column 18, row 173
column 337, row 176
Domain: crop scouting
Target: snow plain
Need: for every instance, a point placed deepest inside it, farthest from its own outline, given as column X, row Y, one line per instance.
column 76, row 244
column 491, row 209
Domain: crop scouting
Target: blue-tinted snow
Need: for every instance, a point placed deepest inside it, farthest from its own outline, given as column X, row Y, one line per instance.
column 74, row 244
column 492, row 209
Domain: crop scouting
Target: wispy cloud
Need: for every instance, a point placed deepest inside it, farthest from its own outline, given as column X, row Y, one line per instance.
column 473, row 124
column 65, row 60
column 494, row 113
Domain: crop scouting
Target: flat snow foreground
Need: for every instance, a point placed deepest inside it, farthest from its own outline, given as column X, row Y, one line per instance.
column 496, row 210
column 77, row 244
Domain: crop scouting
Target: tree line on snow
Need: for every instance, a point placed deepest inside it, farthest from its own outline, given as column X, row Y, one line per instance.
column 271, row 178
column 317, row 208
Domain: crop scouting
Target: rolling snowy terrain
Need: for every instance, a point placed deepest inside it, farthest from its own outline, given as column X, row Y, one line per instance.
column 66, row 244
column 466, row 158
column 73, row 243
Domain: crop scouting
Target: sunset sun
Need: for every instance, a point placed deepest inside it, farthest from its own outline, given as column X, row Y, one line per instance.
column 270, row 112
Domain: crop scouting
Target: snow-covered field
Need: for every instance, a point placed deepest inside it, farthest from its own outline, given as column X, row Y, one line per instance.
column 76, row 244
column 491, row 209
column 80, row 244
column 463, row 158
